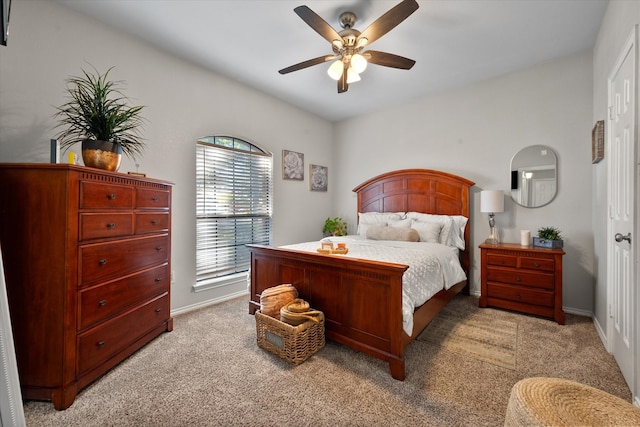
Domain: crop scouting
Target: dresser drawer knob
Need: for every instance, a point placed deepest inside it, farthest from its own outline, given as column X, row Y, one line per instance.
column 111, row 226
column 155, row 198
column 111, row 196
column 501, row 261
column 154, row 221
column 518, row 295
column 158, row 310
column 158, row 248
column 518, row 278
column 158, row 279
column 536, row 264
column 102, row 303
column 102, row 261
column 100, row 344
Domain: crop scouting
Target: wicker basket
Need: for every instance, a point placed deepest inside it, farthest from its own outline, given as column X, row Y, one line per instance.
column 294, row 344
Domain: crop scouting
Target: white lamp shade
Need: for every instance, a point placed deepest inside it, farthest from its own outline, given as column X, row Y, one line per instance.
column 359, row 63
column 492, row 201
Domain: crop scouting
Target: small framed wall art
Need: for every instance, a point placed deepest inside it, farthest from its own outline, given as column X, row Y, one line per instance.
column 597, row 142
column 292, row 165
column 319, row 180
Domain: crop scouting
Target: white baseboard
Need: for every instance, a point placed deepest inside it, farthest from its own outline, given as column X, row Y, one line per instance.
column 209, row 302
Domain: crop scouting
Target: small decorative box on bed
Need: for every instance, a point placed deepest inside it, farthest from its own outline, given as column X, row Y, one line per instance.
column 294, row 344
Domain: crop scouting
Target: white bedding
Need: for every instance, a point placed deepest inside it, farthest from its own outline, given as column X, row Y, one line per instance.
column 432, row 266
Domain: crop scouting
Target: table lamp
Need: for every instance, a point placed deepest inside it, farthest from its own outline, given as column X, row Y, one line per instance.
column 492, row 201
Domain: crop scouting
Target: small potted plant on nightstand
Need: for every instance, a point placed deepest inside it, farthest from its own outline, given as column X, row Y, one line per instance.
column 548, row 237
column 335, row 227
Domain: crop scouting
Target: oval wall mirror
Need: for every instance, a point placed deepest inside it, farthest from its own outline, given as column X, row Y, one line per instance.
column 534, row 176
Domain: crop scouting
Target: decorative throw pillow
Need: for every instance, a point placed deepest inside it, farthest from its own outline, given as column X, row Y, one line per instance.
column 428, row 231
column 381, row 232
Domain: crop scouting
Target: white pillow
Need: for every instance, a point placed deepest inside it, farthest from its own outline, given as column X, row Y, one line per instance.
column 460, row 222
column 400, row 223
column 374, row 218
column 428, row 231
column 445, row 221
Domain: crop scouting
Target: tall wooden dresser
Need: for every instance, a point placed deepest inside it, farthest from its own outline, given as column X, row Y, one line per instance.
column 522, row 278
column 87, row 266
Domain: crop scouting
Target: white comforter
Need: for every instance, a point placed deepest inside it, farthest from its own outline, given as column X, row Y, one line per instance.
column 432, row 267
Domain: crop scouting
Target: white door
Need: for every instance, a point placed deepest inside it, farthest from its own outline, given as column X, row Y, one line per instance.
column 622, row 140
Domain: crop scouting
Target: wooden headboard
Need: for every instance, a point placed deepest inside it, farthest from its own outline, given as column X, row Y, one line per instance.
column 418, row 190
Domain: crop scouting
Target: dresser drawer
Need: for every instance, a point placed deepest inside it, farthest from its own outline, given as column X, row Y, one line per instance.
column 520, row 294
column 100, row 303
column 541, row 264
column 99, row 195
column 152, row 222
column 100, row 225
column 102, row 342
column 152, row 198
column 520, row 277
column 502, row 260
column 102, row 261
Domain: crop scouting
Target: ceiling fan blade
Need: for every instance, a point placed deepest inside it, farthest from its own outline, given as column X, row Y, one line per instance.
column 317, row 23
column 308, row 63
column 389, row 20
column 388, row 59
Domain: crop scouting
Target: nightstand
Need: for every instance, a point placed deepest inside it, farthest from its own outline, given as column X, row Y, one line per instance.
column 527, row 279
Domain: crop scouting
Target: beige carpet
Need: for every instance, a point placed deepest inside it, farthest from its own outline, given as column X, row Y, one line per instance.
column 210, row 372
column 489, row 340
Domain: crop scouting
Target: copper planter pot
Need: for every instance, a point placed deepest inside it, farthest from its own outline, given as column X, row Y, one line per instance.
column 104, row 155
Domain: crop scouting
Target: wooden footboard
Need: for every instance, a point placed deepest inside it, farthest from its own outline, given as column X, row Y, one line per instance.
column 361, row 299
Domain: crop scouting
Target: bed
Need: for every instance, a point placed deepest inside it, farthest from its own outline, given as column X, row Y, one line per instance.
column 361, row 298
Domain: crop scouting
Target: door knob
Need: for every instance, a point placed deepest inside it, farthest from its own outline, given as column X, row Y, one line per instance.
column 619, row 237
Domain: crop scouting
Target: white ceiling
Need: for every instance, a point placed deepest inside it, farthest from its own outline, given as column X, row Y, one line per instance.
column 454, row 42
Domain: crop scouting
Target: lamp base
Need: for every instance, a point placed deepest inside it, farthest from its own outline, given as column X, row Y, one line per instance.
column 493, row 236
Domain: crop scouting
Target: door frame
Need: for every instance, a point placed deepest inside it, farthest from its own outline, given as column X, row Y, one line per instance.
column 630, row 44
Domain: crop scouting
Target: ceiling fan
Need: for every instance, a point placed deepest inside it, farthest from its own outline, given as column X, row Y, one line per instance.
column 348, row 44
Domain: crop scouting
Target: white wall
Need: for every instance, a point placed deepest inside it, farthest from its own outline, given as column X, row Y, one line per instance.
column 473, row 132
column 48, row 43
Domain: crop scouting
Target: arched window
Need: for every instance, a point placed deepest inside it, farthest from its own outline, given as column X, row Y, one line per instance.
column 234, row 187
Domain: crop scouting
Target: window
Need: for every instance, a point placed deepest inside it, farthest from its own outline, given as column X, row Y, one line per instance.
column 233, row 204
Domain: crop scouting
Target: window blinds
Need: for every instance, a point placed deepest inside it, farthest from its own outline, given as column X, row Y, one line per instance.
column 233, row 193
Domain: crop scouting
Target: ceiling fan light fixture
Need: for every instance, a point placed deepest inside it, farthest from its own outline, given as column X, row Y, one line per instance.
column 352, row 76
column 336, row 69
column 359, row 63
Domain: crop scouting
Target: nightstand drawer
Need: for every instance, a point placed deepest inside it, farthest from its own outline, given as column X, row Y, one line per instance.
column 502, row 260
column 520, row 294
column 520, row 277
column 537, row 264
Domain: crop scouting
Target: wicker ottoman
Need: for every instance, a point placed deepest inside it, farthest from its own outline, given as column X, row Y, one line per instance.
column 557, row 402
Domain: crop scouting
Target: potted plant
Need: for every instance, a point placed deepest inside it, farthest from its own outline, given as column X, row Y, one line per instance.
column 335, row 227
column 548, row 237
column 98, row 115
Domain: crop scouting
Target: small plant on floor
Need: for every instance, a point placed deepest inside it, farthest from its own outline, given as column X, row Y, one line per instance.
column 335, row 227
column 549, row 233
